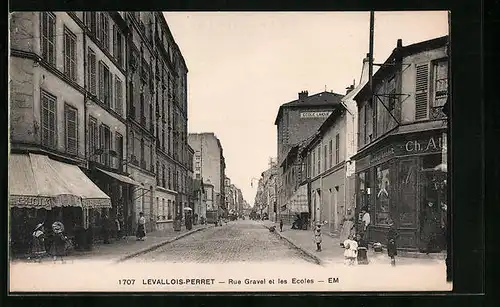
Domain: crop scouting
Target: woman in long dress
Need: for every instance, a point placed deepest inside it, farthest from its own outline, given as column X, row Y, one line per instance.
column 38, row 250
column 141, row 227
column 347, row 228
column 58, row 248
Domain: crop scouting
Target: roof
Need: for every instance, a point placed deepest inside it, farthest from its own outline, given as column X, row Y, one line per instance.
column 317, row 100
column 298, row 147
column 399, row 53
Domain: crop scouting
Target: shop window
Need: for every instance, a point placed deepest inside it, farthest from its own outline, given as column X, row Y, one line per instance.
column 365, row 191
column 408, row 189
column 382, row 195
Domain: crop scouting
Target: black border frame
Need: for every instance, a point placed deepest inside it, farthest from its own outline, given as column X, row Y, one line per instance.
column 467, row 132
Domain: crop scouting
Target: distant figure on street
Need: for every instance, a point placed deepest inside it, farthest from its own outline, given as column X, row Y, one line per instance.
column 317, row 236
column 365, row 220
column 362, row 249
column 58, row 248
column 141, row 227
column 347, row 227
column 118, row 228
column 392, row 249
column 281, row 225
column 105, row 229
column 38, row 250
column 351, row 250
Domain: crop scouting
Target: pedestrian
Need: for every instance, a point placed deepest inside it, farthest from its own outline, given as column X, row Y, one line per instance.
column 362, row 249
column 431, row 227
column 366, row 220
column 347, row 227
column 38, row 250
column 105, row 229
column 118, row 228
column 141, row 227
column 317, row 236
column 281, row 225
column 392, row 249
column 350, row 250
column 58, row 248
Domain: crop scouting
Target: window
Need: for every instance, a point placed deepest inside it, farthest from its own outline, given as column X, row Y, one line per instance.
column 337, row 148
column 330, row 147
column 158, row 208
column 105, row 145
column 104, row 84
column 421, row 91
column 440, row 88
column 71, row 128
column 408, row 191
column 118, row 45
column 143, row 118
column 119, row 96
column 69, row 54
column 365, row 191
column 132, row 144
column 313, row 163
column 91, row 73
column 49, row 119
column 91, row 21
column 382, row 195
column 93, row 137
column 142, row 150
column 319, row 159
column 325, row 157
column 163, row 176
column 169, row 178
column 48, row 37
column 119, row 150
column 169, row 211
column 104, row 30
column 163, row 215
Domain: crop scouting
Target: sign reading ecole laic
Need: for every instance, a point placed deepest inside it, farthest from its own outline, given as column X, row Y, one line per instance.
column 324, row 114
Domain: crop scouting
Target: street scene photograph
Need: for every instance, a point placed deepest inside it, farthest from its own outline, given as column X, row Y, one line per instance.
column 228, row 151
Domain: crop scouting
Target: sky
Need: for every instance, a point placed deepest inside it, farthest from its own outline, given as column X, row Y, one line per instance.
column 244, row 65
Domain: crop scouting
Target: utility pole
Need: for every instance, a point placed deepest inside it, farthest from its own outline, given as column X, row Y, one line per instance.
column 370, row 55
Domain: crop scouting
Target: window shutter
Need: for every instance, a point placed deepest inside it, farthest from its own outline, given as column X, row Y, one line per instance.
column 422, row 91
column 101, row 81
column 115, row 42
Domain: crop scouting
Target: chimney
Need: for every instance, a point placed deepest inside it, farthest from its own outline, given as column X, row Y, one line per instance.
column 303, row 95
column 365, row 70
column 349, row 89
column 400, row 43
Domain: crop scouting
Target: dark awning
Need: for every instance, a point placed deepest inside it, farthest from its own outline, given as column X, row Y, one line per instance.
column 121, row 178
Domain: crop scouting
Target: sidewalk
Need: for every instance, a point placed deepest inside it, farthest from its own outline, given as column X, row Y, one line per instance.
column 332, row 252
column 129, row 247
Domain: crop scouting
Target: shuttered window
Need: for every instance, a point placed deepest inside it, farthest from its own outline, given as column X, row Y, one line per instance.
column 105, row 144
column 104, row 30
column 48, row 107
column 325, row 157
column 330, row 145
column 93, row 137
column 71, row 125
column 119, row 95
column 48, row 37
column 422, row 92
column 119, row 150
column 69, row 54
column 105, row 84
column 337, row 148
column 92, row 73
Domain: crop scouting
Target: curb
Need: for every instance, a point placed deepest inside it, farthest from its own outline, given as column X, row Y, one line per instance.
column 309, row 254
column 158, row 245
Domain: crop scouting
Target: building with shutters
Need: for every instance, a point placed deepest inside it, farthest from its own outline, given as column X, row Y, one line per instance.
column 401, row 157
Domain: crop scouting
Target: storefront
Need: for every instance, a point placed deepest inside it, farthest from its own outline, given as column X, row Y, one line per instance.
column 120, row 189
column 403, row 178
column 43, row 190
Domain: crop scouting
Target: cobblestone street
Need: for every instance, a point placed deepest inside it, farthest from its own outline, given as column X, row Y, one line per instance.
column 239, row 241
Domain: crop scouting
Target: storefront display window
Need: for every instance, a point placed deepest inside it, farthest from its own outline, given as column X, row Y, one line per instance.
column 408, row 190
column 382, row 195
column 365, row 189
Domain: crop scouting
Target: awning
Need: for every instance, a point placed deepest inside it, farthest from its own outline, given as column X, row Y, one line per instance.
column 36, row 181
column 121, row 178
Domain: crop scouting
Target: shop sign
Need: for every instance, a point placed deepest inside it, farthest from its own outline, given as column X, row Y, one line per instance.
column 432, row 144
column 386, row 153
column 315, row 114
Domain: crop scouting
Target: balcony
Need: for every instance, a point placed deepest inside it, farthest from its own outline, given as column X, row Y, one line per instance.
column 437, row 113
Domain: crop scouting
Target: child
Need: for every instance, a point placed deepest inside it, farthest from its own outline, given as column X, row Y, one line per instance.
column 351, row 250
column 281, row 225
column 362, row 249
column 392, row 235
column 38, row 246
column 59, row 243
column 317, row 237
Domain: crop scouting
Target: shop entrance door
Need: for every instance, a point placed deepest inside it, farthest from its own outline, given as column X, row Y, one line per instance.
column 432, row 206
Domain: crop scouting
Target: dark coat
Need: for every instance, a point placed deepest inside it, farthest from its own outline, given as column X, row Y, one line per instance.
column 392, row 235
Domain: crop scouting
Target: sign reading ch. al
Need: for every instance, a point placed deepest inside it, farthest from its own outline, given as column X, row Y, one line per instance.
column 322, row 114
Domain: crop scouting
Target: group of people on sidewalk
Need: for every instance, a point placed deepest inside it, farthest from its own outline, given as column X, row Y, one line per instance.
column 356, row 244
column 58, row 242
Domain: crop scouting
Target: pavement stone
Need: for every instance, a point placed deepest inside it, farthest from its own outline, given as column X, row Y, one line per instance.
column 128, row 247
column 332, row 252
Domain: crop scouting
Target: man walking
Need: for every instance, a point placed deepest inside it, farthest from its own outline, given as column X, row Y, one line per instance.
column 281, row 225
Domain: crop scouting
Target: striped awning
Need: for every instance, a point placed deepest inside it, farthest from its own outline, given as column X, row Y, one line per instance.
column 36, row 181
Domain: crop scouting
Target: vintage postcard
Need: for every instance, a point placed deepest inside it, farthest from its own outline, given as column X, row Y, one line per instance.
column 235, row 151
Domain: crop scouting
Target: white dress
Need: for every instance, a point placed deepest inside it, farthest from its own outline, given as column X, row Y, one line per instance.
column 351, row 248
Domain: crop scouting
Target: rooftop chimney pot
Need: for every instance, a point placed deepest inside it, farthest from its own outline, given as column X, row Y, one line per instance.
column 303, row 94
column 400, row 43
